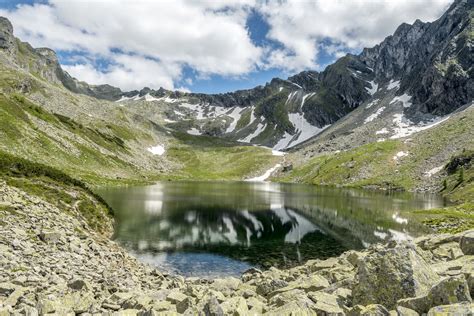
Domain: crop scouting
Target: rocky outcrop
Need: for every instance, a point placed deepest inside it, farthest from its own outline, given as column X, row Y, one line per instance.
column 53, row 263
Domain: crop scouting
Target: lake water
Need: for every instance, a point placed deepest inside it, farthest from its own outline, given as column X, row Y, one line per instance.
column 211, row 229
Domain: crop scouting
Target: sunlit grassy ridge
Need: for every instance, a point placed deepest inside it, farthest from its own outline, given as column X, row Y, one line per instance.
column 208, row 158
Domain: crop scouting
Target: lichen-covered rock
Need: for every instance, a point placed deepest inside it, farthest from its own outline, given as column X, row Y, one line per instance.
column 266, row 287
column 326, row 304
column 294, row 295
column 235, row 306
column 369, row 310
column 467, row 243
column 386, row 276
column 213, row 308
column 464, row 309
column 450, row 290
column 404, row 311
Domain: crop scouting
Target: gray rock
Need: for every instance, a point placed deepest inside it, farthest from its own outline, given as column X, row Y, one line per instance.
column 465, row 309
column 449, row 290
column 325, row 304
column 79, row 284
column 49, row 236
column 404, row 311
column 388, row 275
column 467, row 243
column 212, row 308
column 266, row 287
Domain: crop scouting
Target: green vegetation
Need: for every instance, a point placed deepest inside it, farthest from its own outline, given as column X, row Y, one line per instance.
column 452, row 219
column 206, row 158
column 55, row 187
column 364, row 166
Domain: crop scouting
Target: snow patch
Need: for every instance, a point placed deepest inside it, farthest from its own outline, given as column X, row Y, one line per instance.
column 157, row 150
column 399, row 155
column 404, row 98
column 194, row 131
column 266, row 175
column 150, row 98
column 304, row 129
column 306, row 96
column 284, row 141
column 433, row 171
column 169, row 121
column 374, row 87
column 393, row 84
column 404, row 127
column 374, row 102
column 296, row 84
column 124, row 98
column 290, row 96
column 373, row 116
column 277, row 153
column 382, row 131
column 279, row 89
column 260, row 128
column 235, row 115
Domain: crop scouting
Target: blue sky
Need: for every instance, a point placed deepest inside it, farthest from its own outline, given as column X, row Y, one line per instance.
column 209, row 46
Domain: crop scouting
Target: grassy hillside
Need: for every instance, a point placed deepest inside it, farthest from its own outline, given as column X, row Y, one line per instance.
column 209, row 158
column 102, row 142
column 57, row 188
column 439, row 159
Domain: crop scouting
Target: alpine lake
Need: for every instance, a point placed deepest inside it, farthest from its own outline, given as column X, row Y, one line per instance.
column 214, row 229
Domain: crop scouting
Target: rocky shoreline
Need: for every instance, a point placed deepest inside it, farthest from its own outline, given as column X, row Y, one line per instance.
column 52, row 262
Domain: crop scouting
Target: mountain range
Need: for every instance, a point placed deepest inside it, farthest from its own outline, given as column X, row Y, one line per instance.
column 413, row 81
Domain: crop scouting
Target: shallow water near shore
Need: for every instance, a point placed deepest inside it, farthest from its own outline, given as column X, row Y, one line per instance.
column 211, row 229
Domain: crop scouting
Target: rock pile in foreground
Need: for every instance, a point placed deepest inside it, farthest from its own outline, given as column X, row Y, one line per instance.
column 51, row 262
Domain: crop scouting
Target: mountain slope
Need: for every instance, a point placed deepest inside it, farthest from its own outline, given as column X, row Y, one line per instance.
column 426, row 65
column 94, row 139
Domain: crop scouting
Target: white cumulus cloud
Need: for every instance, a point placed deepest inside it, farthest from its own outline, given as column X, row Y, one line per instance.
column 304, row 27
column 151, row 43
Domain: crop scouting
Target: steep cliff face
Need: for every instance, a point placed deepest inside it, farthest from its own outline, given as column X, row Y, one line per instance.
column 433, row 61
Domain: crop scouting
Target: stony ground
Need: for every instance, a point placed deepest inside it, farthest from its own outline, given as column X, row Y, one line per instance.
column 51, row 262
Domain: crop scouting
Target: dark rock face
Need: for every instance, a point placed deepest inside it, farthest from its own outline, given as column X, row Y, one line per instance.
column 433, row 61
column 6, row 34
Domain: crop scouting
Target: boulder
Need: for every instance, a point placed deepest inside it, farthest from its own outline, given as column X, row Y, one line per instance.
column 226, row 286
column 465, row 309
column 292, row 308
column 326, row 304
column 467, row 243
column 403, row 311
column 49, row 236
column 14, row 297
column 235, row 306
column 176, row 297
column 79, row 284
column 294, row 295
column 212, row 308
column 375, row 310
column 388, row 275
column 266, row 287
column 309, row 283
column 448, row 251
column 449, row 290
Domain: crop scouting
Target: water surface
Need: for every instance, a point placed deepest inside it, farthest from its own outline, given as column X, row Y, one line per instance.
column 222, row 228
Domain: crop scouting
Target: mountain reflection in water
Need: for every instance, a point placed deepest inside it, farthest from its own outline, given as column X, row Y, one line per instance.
column 196, row 228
